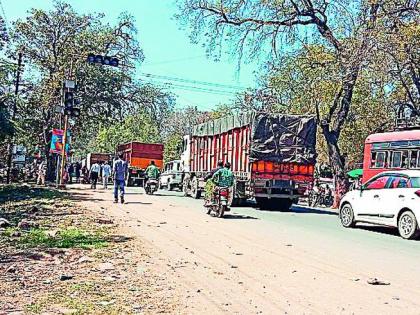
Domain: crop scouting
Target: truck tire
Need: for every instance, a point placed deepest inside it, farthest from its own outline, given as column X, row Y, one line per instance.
column 184, row 188
column 129, row 182
column 263, row 203
column 285, row 204
column 170, row 187
column 195, row 191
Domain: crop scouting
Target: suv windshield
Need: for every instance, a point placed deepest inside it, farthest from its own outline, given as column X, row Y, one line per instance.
column 415, row 182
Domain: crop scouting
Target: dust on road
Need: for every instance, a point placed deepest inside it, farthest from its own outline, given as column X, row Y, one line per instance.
column 271, row 263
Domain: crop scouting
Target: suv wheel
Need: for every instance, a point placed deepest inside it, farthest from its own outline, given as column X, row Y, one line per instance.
column 408, row 226
column 347, row 216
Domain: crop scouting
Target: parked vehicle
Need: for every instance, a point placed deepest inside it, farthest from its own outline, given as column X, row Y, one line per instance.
column 171, row 176
column 322, row 194
column 138, row 156
column 272, row 156
column 391, row 151
column 320, row 198
column 220, row 203
column 389, row 198
column 151, row 186
column 93, row 158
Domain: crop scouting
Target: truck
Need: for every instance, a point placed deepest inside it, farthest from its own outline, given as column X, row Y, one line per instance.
column 272, row 156
column 139, row 155
column 92, row 158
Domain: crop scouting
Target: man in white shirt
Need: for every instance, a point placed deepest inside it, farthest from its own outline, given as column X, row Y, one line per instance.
column 106, row 172
column 94, row 174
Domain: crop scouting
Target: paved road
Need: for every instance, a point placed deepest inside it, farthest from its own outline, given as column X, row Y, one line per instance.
column 252, row 261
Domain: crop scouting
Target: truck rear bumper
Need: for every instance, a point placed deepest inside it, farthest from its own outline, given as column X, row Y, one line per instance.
column 276, row 196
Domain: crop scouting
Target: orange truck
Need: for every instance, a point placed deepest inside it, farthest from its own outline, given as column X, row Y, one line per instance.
column 139, row 155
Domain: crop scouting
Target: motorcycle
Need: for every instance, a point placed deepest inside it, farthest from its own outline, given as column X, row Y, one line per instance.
column 151, row 186
column 219, row 204
column 320, row 198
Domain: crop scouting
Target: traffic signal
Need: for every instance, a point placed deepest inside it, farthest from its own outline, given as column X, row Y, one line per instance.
column 103, row 60
column 68, row 99
column 70, row 102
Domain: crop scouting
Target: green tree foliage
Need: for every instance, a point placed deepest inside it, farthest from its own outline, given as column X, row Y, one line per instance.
column 56, row 44
column 138, row 127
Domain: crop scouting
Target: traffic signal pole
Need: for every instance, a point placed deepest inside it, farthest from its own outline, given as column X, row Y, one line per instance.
column 63, row 153
column 64, row 142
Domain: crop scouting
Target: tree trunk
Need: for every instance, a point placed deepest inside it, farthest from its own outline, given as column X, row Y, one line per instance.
column 337, row 162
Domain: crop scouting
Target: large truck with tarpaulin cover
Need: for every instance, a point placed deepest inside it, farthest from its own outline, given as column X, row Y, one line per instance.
column 138, row 156
column 272, row 156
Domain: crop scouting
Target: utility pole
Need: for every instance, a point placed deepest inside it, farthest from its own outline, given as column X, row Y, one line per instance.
column 66, row 119
column 63, row 153
column 11, row 139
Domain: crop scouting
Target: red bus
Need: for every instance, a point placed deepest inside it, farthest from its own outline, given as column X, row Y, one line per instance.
column 391, row 151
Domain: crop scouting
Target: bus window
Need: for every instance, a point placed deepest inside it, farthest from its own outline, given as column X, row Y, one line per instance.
column 380, row 160
column 373, row 160
column 414, row 159
column 404, row 161
column 396, row 159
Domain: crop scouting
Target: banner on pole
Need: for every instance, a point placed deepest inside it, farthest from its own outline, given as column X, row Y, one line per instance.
column 57, row 141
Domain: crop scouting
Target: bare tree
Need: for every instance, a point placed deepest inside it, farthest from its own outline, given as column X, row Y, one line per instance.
column 255, row 28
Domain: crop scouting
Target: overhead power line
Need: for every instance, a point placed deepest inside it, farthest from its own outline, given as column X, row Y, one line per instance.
column 195, row 82
column 195, row 88
column 172, row 61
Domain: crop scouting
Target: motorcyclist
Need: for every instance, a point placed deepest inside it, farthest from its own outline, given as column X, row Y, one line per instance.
column 223, row 177
column 209, row 188
column 211, row 173
column 328, row 191
column 152, row 172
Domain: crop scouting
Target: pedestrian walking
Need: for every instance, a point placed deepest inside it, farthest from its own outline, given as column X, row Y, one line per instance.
column 70, row 171
column 94, row 173
column 120, row 174
column 77, row 171
column 42, row 172
column 106, row 172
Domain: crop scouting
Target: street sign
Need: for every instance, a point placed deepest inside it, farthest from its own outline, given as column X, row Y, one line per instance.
column 70, row 84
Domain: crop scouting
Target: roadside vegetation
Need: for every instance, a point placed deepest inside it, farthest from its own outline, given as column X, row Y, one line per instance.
column 59, row 257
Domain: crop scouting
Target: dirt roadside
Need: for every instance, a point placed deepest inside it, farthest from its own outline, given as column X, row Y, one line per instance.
column 59, row 257
column 244, row 266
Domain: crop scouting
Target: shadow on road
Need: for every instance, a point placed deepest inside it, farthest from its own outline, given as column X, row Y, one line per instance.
column 83, row 197
column 239, row 217
column 303, row 209
column 137, row 203
column 380, row 230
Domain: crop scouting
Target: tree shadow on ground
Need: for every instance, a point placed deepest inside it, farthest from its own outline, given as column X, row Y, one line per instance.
column 13, row 193
column 84, row 197
column 42, row 248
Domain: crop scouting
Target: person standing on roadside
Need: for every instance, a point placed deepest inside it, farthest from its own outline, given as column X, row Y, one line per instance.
column 42, row 172
column 94, row 173
column 120, row 174
column 106, row 172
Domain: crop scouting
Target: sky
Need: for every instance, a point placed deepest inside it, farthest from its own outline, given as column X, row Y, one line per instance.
column 167, row 49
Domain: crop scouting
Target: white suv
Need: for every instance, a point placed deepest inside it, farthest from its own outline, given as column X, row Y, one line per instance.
column 172, row 176
column 389, row 198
